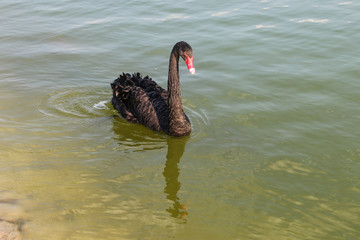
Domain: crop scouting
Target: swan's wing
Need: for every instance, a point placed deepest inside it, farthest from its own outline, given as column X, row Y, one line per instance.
column 149, row 103
column 150, row 109
column 141, row 100
column 150, row 85
column 124, row 111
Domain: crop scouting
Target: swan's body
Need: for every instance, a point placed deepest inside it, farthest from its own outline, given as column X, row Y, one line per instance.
column 142, row 100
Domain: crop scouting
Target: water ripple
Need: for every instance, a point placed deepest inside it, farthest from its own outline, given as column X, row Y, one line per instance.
column 92, row 103
column 77, row 103
column 199, row 121
column 136, row 138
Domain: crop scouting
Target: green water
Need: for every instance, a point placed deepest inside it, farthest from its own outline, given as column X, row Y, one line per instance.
column 274, row 107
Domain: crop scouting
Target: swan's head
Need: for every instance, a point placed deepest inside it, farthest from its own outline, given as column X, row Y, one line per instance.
column 186, row 53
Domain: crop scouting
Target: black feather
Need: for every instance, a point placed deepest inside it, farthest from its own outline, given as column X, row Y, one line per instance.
column 142, row 100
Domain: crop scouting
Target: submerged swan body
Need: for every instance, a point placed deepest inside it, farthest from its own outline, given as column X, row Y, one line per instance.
column 142, row 100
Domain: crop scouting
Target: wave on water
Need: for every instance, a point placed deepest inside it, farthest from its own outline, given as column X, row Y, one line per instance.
column 310, row 20
column 77, row 103
column 199, row 122
column 345, row 3
column 101, row 105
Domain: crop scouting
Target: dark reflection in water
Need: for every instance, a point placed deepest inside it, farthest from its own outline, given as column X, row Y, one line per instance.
column 176, row 148
column 134, row 138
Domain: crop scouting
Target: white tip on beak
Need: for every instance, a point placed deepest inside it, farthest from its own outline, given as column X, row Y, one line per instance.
column 192, row 70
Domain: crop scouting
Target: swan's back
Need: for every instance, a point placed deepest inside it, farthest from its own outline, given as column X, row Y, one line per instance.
column 141, row 100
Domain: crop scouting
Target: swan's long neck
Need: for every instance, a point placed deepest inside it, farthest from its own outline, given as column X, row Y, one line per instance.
column 178, row 122
column 174, row 89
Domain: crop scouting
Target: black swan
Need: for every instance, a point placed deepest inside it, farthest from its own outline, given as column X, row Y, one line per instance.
column 142, row 100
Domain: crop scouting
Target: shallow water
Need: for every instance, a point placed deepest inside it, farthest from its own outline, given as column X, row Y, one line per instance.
column 274, row 106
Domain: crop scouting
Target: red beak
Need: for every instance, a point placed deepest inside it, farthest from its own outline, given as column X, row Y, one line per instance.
column 190, row 65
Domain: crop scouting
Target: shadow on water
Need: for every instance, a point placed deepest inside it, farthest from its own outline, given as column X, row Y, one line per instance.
column 176, row 149
column 130, row 138
column 136, row 138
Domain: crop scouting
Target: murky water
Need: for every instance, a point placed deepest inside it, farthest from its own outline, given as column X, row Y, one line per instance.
column 274, row 106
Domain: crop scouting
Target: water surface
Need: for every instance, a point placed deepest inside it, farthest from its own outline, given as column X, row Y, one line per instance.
column 274, row 106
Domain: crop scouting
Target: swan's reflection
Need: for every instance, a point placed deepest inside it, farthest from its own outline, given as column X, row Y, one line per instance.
column 130, row 136
column 176, row 148
column 136, row 138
